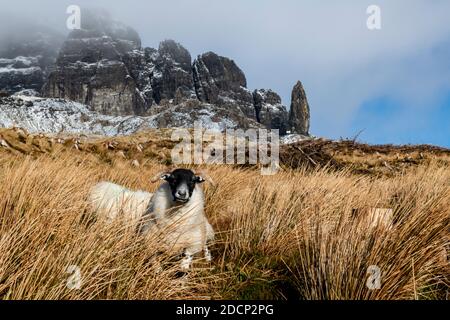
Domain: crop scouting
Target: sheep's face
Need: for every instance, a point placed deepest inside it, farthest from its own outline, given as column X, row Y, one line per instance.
column 182, row 184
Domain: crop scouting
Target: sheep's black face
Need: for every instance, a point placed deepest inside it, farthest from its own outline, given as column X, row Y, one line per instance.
column 182, row 184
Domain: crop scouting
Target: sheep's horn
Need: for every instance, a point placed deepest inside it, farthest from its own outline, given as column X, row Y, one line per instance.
column 158, row 176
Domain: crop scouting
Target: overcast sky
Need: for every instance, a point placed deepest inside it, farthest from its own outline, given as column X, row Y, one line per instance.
column 393, row 83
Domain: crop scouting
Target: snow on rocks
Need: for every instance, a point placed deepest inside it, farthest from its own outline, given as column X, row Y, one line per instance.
column 294, row 138
column 45, row 115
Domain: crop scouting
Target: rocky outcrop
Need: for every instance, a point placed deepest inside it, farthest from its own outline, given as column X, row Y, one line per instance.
column 218, row 80
column 163, row 76
column 90, row 68
column 20, row 73
column 27, row 52
column 209, row 115
column 51, row 115
column 140, row 65
column 172, row 79
column 269, row 110
column 299, row 116
column 103, row 67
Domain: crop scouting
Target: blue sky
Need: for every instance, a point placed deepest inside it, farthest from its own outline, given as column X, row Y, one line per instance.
column 394, row 83
column 384, row 120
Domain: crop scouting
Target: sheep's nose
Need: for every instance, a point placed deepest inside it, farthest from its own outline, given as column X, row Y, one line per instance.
column 181, row 194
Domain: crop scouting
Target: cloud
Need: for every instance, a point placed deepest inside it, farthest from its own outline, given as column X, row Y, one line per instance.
column 324, row 44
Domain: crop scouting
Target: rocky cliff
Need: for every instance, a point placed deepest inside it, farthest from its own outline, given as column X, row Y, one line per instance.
column 27, row 54
column 91, row 68
column 219, row 80
column 104, row 67
column 269, row 110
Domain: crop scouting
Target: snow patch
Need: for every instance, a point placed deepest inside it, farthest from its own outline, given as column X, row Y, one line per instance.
column 294, row 138
column 44, row 115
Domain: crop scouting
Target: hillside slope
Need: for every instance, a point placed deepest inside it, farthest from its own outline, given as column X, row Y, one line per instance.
column 304, row 233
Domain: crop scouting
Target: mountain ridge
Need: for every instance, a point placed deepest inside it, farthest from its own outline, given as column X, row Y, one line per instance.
column 104, row 67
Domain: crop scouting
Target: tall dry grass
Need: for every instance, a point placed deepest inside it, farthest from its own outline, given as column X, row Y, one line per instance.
column 291, row 235
column 304, row 220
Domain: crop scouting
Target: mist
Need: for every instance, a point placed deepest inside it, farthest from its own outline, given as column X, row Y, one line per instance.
column 343, row 65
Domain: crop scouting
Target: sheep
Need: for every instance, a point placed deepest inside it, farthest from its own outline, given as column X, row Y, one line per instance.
column 109, row 199
column 177, row 209
column 175, row 212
